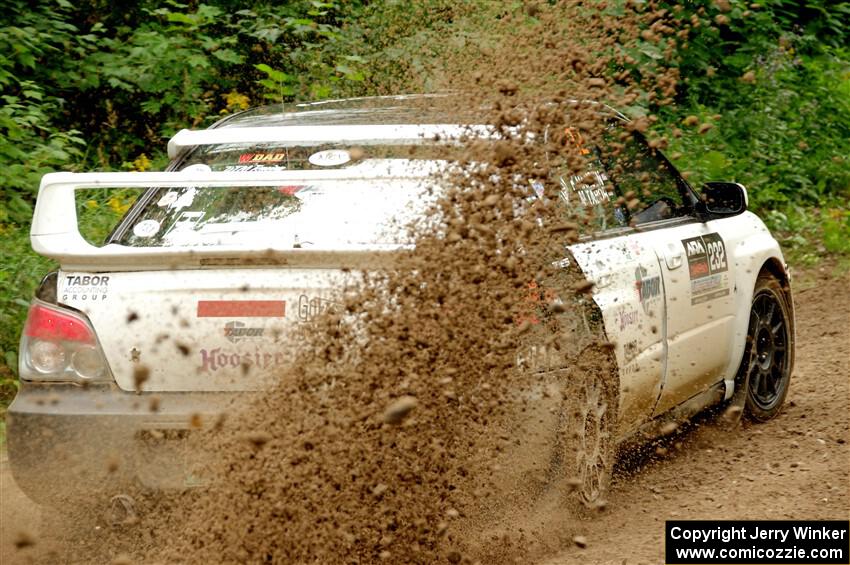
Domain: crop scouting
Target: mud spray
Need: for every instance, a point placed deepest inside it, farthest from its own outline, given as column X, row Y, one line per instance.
column 419, row 423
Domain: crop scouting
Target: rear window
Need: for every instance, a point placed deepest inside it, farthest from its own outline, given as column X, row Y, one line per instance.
column 240, row 157
column 325, row 214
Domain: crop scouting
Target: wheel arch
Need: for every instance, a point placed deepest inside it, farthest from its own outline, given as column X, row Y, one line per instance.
column 778, row 270
column 754, row 256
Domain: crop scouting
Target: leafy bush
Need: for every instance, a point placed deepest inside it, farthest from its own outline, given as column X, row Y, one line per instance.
column 773, row 81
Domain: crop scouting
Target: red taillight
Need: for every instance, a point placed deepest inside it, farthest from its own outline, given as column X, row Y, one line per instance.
column 53, row 325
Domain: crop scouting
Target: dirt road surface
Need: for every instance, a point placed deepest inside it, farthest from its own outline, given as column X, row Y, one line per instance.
column 794, row 467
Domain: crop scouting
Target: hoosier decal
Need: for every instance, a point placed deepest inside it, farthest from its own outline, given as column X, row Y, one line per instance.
column 217, row 358
column 707, row 267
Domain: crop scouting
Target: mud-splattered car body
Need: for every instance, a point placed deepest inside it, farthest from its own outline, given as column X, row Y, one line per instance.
column 193, row 296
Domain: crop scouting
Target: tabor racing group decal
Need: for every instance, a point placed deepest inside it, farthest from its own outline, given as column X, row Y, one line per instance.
column 707, row 267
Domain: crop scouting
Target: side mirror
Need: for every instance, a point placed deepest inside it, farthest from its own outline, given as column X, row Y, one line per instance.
column 722, row 199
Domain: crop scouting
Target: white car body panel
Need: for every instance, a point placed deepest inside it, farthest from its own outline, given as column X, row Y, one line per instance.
column 174, row 310
column 634, row 321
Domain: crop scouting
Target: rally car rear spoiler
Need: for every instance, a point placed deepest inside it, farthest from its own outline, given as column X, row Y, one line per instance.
column 55, row 232
column 317, row 135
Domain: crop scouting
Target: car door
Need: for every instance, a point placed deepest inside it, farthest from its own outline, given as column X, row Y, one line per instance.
column 700, row 278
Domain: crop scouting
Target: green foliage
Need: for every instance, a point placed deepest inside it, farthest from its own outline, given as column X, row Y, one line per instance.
column 774, row 82
column 83, row 89
column 99, row 210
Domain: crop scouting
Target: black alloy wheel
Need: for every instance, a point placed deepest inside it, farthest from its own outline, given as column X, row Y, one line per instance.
column 767, row 362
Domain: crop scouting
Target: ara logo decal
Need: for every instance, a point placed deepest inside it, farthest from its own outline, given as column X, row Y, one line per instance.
column 694, row 247
column 707, row 267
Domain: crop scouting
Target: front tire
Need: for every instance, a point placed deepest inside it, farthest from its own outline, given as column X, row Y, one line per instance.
column 765, row 370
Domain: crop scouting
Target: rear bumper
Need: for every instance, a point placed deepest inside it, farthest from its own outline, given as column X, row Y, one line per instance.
column 65, row 440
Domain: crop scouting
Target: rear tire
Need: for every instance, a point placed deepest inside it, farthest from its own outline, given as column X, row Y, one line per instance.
column 585, row 446
column 765, row 371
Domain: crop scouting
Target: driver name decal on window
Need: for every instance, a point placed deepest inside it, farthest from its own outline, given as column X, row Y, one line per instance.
column 589, row 186
column 707, row 267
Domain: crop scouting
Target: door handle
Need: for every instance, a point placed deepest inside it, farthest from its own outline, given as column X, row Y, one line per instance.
column 674, row 256
column 674, row 261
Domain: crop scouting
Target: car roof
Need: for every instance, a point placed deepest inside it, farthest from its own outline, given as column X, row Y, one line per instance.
column 375, row 110
column 372, row 110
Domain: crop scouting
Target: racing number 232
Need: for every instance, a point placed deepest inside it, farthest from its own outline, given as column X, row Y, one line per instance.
column 716, row 255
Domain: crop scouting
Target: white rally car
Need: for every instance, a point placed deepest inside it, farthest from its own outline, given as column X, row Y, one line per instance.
column 262, row 218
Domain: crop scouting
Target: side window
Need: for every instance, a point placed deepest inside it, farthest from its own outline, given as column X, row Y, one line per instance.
column 640, row 172
column 589, row 196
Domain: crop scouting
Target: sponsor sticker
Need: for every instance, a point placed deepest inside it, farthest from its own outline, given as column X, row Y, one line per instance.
column 252, row 168
column 85, row 287
column 146, row 228
column 648, row 288
column 216, row 359
column 707, row 267
column 252, row 158
column 241, row 308
column 237, row 331
column 627, row 317
column 309, row 308
column 330, row 158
